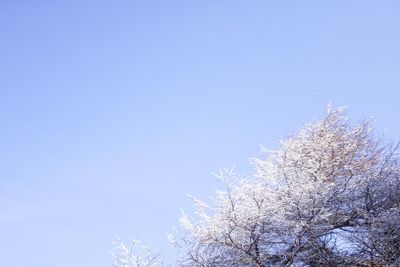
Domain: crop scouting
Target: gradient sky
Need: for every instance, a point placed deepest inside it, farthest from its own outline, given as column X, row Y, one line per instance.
column 111, row 112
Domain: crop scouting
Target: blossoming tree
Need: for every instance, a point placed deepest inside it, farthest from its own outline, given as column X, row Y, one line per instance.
column 329, row 196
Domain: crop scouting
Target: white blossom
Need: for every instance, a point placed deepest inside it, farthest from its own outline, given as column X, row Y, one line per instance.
column 329, row 196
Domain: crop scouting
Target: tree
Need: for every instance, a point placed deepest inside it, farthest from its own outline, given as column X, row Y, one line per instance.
column 136, row 255
column 329, row 196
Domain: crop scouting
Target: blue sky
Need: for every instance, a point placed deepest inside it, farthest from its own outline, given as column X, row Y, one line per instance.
column 111, row 112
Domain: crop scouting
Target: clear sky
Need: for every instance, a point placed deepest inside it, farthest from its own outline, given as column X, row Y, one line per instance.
column 111, row 112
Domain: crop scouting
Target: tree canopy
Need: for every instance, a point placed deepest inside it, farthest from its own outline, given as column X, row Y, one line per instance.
column 329, row 196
